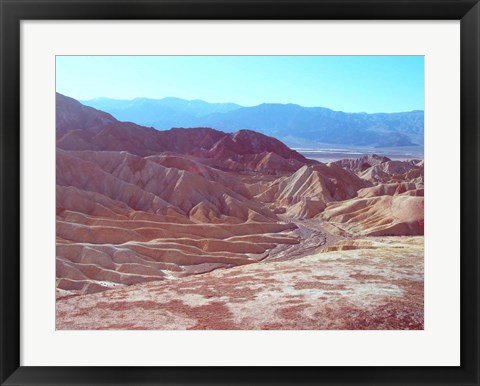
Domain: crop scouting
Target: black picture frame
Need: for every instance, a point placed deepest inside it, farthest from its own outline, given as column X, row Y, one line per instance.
column 13, row 11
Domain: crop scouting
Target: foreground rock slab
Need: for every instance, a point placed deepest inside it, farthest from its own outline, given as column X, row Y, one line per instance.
column 365, row 284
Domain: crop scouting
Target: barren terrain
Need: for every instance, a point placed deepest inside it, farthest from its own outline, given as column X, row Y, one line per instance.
column 200, row 229
column 367, row 284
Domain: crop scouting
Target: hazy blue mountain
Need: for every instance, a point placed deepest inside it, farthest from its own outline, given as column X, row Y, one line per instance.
column 165, row 113
column 305, row 124
column 292, row 124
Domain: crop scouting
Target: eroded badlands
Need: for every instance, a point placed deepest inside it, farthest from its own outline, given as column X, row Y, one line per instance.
column 196, row 228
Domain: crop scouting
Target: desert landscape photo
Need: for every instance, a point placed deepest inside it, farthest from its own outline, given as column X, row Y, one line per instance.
column 239, row 193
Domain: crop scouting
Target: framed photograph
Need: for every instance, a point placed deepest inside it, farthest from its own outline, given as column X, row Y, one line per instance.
column 228, row 192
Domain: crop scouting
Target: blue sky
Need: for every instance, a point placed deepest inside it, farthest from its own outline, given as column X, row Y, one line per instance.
column 346, row 83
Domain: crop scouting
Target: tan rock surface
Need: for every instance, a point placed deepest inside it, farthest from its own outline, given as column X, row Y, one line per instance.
column 378, row 216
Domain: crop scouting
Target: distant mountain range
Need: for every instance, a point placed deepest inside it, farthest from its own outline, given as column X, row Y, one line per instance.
column 295, row 125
